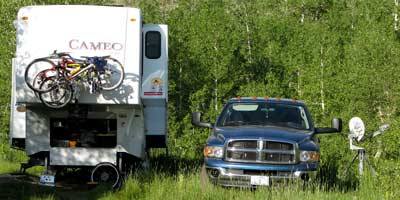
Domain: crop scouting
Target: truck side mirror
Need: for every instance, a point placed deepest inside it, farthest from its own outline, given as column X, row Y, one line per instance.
column 196, row 121
column 336, row 127
column 337, row 124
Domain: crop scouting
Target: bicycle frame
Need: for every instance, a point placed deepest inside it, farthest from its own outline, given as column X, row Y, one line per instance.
column 68, row 61
column 80, row 72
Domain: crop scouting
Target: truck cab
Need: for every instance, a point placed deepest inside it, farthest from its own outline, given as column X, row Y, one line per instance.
column 260, row 141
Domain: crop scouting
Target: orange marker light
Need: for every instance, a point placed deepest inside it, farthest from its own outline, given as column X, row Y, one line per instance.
column 21, row 108
column 254, row 98
column 314, row 156
column 25, row 18
column 238, row 97
column 133, row 19
column 208, row 151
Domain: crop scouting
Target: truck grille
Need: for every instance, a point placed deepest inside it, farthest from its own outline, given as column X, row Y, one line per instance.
column 260, row 151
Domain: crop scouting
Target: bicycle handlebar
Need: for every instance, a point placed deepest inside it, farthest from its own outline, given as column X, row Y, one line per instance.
column 55, row 54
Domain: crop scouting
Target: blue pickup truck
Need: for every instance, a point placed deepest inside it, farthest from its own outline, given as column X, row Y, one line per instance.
column 260, row 141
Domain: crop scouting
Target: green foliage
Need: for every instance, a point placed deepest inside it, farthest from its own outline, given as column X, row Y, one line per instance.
column 340, row 57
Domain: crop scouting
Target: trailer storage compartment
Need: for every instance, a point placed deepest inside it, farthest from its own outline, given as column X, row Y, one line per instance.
column 83, row 132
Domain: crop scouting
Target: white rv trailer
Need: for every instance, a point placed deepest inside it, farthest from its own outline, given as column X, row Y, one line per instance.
column 101, row 132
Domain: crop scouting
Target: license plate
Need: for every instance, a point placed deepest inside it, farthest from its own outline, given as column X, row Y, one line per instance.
column 259, row 180
column 47, row 180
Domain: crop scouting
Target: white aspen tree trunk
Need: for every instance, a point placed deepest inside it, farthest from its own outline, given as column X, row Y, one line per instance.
column 352, row 13
column 125, row 2
column 286, row 7
column 180, row 91
column 299, row 92
column 216, row 94
column 163, row 8
column 248, row 34
column 302, row 14
column 322, row 80
column 396, row 16
column 216, row 79
column 381, row 114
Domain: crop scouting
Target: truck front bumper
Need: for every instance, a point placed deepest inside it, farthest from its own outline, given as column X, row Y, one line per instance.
column 249, row 175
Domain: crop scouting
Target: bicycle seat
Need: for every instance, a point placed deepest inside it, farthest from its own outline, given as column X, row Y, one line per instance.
column 59, row 54
column 56, row 54
column 62, row 54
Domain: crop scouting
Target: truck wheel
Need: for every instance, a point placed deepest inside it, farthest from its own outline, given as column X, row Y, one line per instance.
column 204, row 180
column 106, row 173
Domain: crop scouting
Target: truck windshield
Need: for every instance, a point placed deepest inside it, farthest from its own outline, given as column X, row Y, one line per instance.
column 264, row 114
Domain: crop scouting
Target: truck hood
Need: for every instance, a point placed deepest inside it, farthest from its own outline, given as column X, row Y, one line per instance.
column 266, row 132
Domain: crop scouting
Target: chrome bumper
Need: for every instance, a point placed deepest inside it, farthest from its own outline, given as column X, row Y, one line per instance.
column 236, row 178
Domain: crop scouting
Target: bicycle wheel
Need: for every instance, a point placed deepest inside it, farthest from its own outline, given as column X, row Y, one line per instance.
column 37, row 71
column 112, row 76
column 60, row 94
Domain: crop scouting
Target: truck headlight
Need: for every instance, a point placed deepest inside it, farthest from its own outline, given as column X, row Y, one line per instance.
column 214, row 151
column 309, row 156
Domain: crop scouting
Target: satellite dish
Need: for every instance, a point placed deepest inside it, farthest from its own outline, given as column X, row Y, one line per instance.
column 357, row 128
column 357, row 131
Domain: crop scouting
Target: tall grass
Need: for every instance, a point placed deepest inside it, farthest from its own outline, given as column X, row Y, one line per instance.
column 175, row 178
column 187, row 186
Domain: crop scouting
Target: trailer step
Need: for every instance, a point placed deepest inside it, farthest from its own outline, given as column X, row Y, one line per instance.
column 24, row 167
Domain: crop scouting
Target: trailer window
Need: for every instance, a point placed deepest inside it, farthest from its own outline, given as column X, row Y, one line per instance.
column 153, row 44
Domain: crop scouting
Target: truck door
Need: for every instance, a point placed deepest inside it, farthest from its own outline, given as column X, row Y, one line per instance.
column 155, row 83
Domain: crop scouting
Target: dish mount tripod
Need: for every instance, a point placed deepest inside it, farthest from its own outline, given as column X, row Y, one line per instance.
column 361, row 152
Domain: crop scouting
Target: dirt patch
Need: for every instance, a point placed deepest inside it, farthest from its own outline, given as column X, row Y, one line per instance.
column 25, row 186
column 25, row 178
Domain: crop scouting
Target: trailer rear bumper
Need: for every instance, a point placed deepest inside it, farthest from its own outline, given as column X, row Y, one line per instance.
column 65, row 156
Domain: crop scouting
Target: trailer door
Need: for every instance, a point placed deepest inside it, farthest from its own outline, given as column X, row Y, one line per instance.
column 155, row 83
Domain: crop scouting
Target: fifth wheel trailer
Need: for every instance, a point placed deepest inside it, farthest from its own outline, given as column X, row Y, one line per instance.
column 102, row 133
